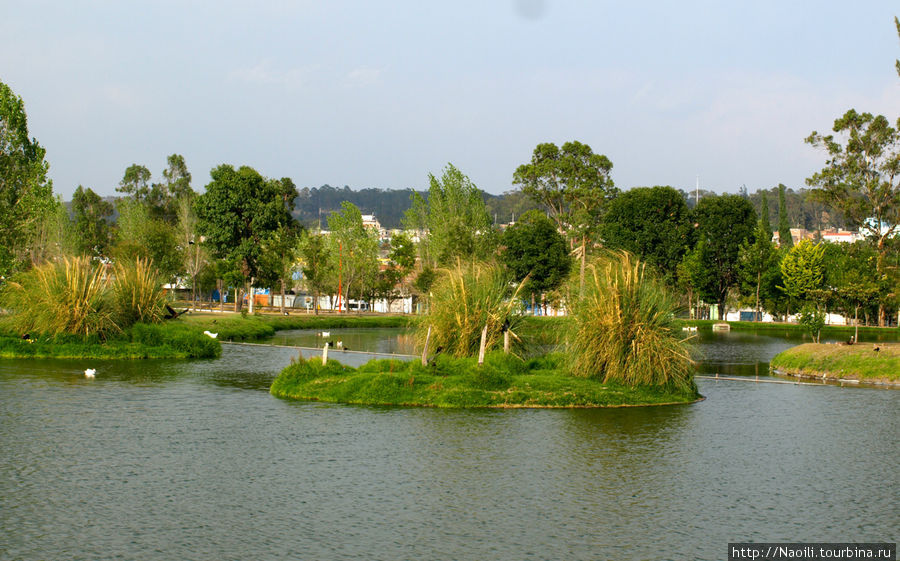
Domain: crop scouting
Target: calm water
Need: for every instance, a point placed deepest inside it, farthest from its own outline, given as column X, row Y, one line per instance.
column 195, row 460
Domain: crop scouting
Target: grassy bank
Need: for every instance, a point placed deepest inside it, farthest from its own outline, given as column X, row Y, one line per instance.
column 166, row 340
column 828, row 331
column 845, row 362
column 503, row 381
column 234, row 327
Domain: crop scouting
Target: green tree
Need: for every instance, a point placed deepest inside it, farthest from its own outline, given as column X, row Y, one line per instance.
column 785, row 239
column 357, row 250
column 26, row 194
column 803, row 270
column 765, row 225
column 756, row 258
column 136, row 182
column 239, row 210
column 193, row 252
column 454, row 219
column 90, row 215
column 574, row 185
column 536, row 253
column 140, row 235
column 281, row 252
column 724, row 223
column 654, row 224
column 401, row 262
column 317, row 263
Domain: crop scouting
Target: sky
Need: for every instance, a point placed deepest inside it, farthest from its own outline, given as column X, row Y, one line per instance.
column 382, row 94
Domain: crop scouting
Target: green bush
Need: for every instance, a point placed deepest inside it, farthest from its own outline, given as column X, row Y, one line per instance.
column 138, row 293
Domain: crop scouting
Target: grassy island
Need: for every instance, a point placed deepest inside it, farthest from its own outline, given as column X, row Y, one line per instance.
column 503, row 381
column 859, row 362
column 237, row 327
column 166, row 340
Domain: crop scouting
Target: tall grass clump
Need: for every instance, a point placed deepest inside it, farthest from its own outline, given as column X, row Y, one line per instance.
column 70, row 296
column 138, row 292
column 464, row 299
column 623, row 327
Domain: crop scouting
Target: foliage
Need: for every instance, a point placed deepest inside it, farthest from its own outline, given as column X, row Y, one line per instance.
column 652, row 223
column 239, row 210
column 138, row 293
column 464, row 299
column 235, row 327
column 861, row 178
column 503, row 381
column 454, row 217
column 67, row 297
column 357, row 249
column 623, row 328
column 25, row 192
column 194, row 255
column 813, row 320
column 90, row 215
column 756, row 258
column 785, row 239
column 724, row 223
column 803, row 269
column 533, row 249
column 317, row 264
column 141, row 236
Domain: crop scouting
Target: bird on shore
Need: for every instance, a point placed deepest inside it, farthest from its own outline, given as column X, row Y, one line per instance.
column 211, row 335
column 90, row 373
column 325, row 334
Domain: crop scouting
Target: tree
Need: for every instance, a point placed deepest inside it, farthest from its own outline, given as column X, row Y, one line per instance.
column 140, row 235
column 194, row 254
column 764, row 223
column 572, row 183
column 401, row 262
column 455, row 219
column 802, row 269
column 757, row 257
column 239, row 210
column 25, row 192
column 534, row 252
column 90, row 214
column 652, row 223
column 357, row 250
column 724, row 223
column 136, row 182
column 317, row 264
column 785, row 239
column 280, row 253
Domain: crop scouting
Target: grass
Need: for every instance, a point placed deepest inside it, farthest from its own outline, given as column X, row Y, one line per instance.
column 168, row 340
column 832, row 330
column 848, row 362
column 233, row 327
column 623, row 329
column 503, row 381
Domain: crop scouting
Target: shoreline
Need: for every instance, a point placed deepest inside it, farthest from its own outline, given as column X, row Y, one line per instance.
column 877, row 365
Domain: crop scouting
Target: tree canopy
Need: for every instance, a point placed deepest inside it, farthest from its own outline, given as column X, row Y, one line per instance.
column 533, row 248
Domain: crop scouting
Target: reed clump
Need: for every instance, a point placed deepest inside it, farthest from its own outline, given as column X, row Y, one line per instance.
column 83, row 297
column 623, row 328
column 465, row 299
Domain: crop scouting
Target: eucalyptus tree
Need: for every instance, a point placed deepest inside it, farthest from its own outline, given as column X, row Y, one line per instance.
column 239, row 210
column 25, row 192
column 90, row 215
column 572, row 183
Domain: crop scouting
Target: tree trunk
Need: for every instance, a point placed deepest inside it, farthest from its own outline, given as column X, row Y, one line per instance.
column 583, row 257
column 221, row 286
column 533, row 310
column 758, row 282
column 282, row 296
column 237, row 299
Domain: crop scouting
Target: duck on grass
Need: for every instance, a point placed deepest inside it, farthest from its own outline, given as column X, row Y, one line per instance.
column 620, row 348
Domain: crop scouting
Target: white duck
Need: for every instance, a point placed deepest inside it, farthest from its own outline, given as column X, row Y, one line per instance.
column 90, row 373
column 212, row 335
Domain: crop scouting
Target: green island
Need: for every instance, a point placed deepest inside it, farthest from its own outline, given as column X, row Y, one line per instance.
column 619, row 348
column 860, row 362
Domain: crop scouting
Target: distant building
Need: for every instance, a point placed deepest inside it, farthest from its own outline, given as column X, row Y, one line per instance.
column 840, row 236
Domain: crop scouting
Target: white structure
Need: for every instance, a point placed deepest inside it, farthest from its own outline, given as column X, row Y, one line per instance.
column 840, row 236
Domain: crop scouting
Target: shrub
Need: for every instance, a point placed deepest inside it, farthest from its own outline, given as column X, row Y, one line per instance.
column 67, row 297
column 463, row 300
column 623, row 327
column 138, row 292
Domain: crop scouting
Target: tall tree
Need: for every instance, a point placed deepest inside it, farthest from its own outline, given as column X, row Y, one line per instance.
column 764, row 223
column 785, row 239
column 536, row 253
column 193, row 252
column 90, row 214
column 574, row 185
column 25, row 192
column 653, row 223
column 317, row 263
column 279, row 259
column 455, row 218
column 724, row 223
column 861, row 178
column 239, row 210
column 803, row 270
column 357, row 250
column 757, row 258
column 136, row 182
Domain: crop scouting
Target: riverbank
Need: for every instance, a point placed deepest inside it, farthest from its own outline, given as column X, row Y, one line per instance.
column 834, row 331
column 504, row 381
column 237, row 327
column 859, row 362
column 140, row 341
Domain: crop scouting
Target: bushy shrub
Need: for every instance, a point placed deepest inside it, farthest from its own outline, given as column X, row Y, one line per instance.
column 465, row 299
column 623, row 327
column 138, row 292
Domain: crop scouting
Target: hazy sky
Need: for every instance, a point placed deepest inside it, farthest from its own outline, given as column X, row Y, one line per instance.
column 379, row 94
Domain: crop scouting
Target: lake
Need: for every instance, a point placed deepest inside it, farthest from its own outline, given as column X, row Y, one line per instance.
column 195, row 460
